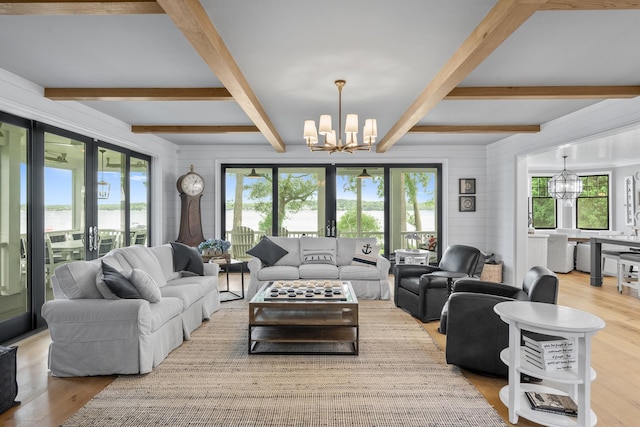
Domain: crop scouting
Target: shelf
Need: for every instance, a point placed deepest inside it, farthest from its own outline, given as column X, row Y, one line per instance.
column 569, row 376
column 303, row 334
column 544, row 418
column 320, row 316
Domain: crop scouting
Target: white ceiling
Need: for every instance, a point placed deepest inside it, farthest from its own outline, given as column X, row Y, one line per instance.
column 290, row 52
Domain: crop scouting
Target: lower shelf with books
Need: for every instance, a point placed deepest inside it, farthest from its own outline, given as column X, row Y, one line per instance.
column 564, row 376
column 540, row 417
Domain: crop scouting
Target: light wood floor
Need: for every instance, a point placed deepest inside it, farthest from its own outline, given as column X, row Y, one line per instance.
column 49, row 401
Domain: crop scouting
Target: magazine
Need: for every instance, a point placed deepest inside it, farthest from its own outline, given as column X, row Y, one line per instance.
column 554, row 403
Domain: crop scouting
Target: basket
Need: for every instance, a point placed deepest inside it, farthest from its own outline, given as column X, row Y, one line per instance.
column 492, row 273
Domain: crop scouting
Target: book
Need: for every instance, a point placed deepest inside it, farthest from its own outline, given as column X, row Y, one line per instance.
column 555, row 362
column 546, row 342
column 560, row 404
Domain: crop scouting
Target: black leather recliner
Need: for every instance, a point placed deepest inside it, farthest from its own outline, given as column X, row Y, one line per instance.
column 423, row 295
column 475, row 333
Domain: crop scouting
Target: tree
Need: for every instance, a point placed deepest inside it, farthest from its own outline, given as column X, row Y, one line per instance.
column 349, row 222
column 294, row 191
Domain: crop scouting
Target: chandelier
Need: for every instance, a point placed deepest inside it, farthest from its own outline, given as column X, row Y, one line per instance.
column 330, row 143
column 565, row 185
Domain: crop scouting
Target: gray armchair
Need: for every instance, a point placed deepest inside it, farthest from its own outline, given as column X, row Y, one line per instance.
column 424, row 295
column 475, row 333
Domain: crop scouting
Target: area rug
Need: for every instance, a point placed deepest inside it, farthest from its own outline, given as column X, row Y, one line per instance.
column 398, row 379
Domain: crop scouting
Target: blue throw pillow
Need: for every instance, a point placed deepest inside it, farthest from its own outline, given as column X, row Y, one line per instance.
column 268, row 252
column 118, row 284
column 186, row 258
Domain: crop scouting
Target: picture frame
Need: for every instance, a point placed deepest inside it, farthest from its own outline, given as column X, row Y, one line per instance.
column 467, row 204
column 467, row 186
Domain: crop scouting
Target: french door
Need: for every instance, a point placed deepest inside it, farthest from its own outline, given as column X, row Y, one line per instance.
column 63, row 197
column 400, row 206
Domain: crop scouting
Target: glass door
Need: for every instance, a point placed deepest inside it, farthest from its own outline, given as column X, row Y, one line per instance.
column 414, row 209
column 15, row 307
column 360, row 206
column 248, row 207
column 139, row 206
column 301, row 201
column 111, row 197
column 64, row 203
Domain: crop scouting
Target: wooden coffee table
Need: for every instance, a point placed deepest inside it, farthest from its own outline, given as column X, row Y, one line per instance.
column 304, row 324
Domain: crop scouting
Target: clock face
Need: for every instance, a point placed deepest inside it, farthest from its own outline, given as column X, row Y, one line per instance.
column 192, row 184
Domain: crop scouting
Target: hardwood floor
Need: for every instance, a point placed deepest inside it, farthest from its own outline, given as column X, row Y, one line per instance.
column 49, row 401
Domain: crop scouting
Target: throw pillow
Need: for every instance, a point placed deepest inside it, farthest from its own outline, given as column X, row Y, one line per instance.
column 145, row 285
column 118, row 283
column 186, row 258
column 319, row 256
column 366, row 254
column 268, row 252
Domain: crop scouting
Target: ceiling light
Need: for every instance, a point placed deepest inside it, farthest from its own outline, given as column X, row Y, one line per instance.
column 364, row 174
column 332, row 141
column 253, row 174
column 103, row 186
column 565, row 185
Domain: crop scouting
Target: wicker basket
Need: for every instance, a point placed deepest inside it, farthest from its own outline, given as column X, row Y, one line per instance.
column 492, row 273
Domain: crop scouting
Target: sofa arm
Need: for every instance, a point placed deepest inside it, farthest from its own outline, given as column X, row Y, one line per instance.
column 254, row 265
column 96, row 319
column 475, row 333
column 211, row 268
column 383, row 265
column 482, row 287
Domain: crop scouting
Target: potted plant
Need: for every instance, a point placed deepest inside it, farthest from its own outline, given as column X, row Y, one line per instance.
column 214, row 247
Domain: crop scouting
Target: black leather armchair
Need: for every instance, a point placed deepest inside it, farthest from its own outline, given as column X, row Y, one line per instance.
column 423, row 295
column 475, row 333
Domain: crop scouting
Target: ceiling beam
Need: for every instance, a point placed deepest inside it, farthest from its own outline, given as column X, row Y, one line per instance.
column 543, row 92
column 501, row 21
column 590, row 5
column 194, row 129
column 191, row 18
column 79, row 7
column 475, row 129
column 138, row 94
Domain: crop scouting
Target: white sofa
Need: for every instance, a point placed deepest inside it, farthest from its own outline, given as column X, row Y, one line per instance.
column 368, row 281
column 92, row 335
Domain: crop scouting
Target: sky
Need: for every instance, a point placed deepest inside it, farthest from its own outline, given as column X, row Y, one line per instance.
column 58, row 186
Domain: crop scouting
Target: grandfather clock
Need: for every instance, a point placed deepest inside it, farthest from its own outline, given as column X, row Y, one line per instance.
column 190, row 186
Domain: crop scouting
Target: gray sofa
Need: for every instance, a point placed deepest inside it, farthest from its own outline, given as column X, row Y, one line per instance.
column 300, row 262
column 94, row 335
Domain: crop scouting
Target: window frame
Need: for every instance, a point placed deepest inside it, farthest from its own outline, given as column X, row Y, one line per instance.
column 608, row 199
column 555, row 201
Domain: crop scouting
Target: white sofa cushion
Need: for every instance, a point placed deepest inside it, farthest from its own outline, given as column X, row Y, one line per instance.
column 164, row 254
column 366, row 254
column 292, row 246
column 318, row 271
column 358, row 272
column 77, row 280
column 145, row 285
column 141, row 257
column 318, row 250
column 279, row 272
column 347, row 248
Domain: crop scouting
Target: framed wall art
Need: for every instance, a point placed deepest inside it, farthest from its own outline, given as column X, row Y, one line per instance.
column 467, row 204
column 467, row 186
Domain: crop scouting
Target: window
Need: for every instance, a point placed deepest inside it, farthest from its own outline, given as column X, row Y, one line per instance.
column 543, row 206
column 592, row 207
